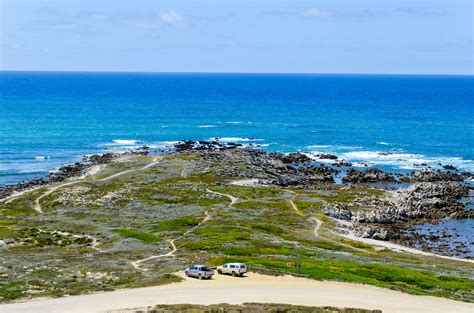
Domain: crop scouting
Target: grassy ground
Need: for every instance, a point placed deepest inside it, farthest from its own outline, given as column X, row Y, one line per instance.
column 133, row 216
column 136, row 234
column 382, row 275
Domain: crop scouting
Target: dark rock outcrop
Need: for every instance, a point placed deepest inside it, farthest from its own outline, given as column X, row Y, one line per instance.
column 342, row 163
column 434, row 200
column 320, row 173
column 431, row 175
column 296, row 158
column 191, row 145
column 274, row 168
column 327, row 156
column 450, row 167
column 372, row 175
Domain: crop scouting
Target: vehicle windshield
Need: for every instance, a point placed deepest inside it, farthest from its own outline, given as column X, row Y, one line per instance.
column 204, row 268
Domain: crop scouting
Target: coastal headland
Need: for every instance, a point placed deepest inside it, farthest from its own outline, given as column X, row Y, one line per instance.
column 131, row 220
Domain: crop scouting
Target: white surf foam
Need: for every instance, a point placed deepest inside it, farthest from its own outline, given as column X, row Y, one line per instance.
column 238, row 122
column 125, row 142
column 320, row 147
column 398, row 160
column 315, row 156
column 162, row 144
column 42, row 157
column 333, row 148
column 208, row 126
column 406, row 161
column 235, row 139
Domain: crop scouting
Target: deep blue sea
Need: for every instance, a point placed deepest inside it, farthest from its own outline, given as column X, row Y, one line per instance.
column 48, row 119
column 392, row 122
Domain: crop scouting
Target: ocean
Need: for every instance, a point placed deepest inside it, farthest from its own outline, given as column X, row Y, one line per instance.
column 394, row 122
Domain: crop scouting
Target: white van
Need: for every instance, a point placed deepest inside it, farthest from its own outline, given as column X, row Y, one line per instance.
column 235, row 269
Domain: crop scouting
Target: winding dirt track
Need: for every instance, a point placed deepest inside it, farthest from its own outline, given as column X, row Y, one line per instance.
column 253, row 288
column 319, row 223
column 233, row 200
column 136, row 264
column 372, row 242
column 37, row 206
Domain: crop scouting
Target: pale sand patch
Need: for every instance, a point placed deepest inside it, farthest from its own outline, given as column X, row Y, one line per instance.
column 245, row 182
column 253, row 288
column 400, row 248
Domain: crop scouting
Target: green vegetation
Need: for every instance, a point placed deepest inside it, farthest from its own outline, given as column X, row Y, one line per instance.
column 255, row 205
column 6, row 232
column 179, row 224
column 344, row 195
column 249, row 308
column 40, row 238
column 12, row 290
column 136, row 234
column 20, row 207
column 51, row 254
column 248, row 193
column 382, row 275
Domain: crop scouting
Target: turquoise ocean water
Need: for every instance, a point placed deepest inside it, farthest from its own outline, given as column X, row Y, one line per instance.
column 48, row 119
column 392, row 122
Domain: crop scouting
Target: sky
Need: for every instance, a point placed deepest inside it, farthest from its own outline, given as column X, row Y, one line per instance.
column 268, row 36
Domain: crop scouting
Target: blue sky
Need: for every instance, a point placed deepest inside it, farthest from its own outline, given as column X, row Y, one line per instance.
column 333, row 36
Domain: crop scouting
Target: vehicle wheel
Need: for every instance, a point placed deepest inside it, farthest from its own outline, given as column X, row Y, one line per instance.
column 233, row 273
column 219, row 272
column 186, row 273
column 199, row 276
column 241, row 274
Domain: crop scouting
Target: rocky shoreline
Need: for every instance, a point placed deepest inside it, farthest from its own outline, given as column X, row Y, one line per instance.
column 422, row 197
column 68, row 171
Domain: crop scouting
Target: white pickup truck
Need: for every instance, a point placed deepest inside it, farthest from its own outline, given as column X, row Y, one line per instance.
column 235, row 269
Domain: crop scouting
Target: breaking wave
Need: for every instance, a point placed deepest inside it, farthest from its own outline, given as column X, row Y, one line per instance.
column 235, row 139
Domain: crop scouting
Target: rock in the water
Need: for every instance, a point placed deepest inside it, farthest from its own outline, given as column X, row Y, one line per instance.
column 327, row 156
column 450, row 167
column 296, row 158
column 342, row 163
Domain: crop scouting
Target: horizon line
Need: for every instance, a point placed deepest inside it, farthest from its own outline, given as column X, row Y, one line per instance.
column 231, row 73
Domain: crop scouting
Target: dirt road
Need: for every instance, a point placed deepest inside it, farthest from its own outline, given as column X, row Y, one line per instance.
column 253, row 288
